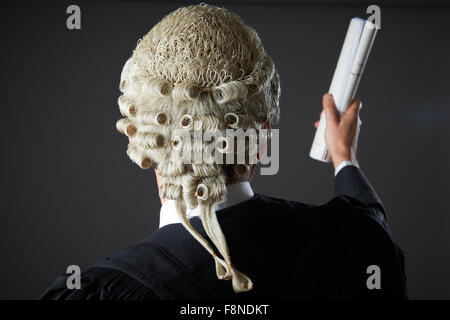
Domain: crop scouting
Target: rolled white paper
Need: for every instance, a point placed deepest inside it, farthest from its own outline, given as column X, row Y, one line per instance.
column 352, row 60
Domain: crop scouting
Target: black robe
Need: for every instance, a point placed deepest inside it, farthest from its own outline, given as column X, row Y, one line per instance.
column 290, row 250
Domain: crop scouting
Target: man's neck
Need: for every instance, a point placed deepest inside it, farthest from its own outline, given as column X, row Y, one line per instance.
column 236, row 193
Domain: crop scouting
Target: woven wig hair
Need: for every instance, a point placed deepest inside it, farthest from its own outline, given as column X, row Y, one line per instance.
column 199, row 64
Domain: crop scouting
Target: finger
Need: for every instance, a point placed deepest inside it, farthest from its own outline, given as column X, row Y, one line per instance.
column 316, row 124
column 330, row 109
column 320, row 114
column 351, row 114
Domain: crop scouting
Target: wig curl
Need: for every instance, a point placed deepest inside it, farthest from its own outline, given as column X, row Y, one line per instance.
column 200, row 67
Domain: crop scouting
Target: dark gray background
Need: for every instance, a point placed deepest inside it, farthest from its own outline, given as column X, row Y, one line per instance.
column 70, row 195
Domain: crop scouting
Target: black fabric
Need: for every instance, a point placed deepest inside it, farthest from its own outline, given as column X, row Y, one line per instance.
column 290, row 250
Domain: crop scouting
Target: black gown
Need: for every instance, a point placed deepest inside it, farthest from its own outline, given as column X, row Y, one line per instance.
column 290, row 250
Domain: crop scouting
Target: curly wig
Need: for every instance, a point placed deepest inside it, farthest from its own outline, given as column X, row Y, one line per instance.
column 199, row 64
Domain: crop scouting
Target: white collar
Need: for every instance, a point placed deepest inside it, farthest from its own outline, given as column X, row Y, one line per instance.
column 236, row 193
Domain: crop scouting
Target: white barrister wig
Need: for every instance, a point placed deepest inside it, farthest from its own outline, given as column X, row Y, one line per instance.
column 200, row 67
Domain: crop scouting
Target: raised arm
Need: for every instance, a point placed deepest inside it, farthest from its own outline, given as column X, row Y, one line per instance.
column 340, row 134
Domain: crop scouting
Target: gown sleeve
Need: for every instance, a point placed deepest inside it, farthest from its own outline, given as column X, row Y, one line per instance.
column 100, row 284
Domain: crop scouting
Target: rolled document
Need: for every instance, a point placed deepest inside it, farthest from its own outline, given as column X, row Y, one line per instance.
column 350, row 66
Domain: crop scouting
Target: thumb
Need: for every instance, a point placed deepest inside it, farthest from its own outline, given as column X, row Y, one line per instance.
column 330, row 108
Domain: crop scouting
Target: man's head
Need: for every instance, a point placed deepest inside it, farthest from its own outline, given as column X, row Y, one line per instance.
column 200, row 69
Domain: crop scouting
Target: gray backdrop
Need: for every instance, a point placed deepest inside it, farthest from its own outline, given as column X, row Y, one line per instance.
column 70, row 195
